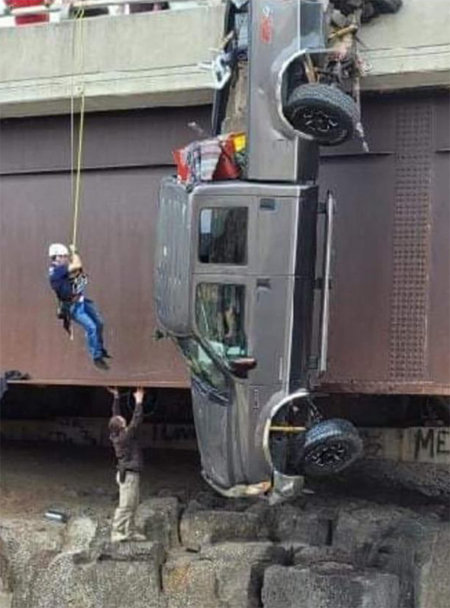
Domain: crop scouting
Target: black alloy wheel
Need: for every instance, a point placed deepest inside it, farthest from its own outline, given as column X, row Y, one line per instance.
column 330, row 447
column 323, row 112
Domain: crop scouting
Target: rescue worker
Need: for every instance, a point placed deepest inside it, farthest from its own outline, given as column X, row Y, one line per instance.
column 68, row 281
column 125, row 440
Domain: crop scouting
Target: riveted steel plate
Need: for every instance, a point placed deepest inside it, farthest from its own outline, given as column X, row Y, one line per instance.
column 390, row 298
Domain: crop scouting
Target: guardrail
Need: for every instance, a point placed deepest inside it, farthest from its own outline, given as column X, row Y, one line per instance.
column 68, row 9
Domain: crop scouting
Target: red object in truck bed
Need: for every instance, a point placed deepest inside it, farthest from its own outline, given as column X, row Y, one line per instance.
column 28, row 19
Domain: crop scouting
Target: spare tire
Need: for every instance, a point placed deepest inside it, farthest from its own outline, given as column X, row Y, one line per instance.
column 322, row 112
column 330, row 447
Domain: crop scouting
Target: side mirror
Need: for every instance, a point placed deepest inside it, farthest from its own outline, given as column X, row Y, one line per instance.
column 240, row 367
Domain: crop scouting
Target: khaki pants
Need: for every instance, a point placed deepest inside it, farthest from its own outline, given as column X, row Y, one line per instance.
column 123, row 522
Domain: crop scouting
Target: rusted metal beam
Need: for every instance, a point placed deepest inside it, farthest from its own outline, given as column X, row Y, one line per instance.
column 106, row 381
column 385, row 388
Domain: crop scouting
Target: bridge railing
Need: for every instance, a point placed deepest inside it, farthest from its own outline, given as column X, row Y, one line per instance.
column 21, row 12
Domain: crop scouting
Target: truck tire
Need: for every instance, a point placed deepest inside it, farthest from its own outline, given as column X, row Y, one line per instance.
column 330, row 447
column 323, row 112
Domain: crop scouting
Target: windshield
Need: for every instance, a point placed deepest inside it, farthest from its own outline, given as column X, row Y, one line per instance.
column 201, row 364
column 219, row 316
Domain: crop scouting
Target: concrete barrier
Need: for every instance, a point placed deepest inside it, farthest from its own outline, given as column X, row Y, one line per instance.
column 149, row 60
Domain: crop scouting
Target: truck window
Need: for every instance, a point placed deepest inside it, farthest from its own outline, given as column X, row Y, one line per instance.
column 219, row 315
column 223, row 235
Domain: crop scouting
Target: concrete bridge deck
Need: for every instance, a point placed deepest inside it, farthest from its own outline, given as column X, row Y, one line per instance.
column 152, row 59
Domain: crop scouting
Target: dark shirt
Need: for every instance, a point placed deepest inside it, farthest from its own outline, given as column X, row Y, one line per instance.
column 60, row 282
column 126, row 442
column 68, row 287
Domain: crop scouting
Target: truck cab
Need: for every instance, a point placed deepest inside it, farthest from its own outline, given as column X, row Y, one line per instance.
column 235, row 284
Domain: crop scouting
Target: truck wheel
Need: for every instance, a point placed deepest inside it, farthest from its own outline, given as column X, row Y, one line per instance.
column 330, row 447
column 323, row 112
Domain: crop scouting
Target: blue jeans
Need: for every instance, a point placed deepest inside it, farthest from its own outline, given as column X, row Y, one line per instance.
column 85, row 313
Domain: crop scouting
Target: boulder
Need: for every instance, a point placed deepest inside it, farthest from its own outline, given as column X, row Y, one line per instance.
column 329, row 585
column 305, row 555
column 147, row 551
column 26, row 547
column 227, row 575
column 80, row 534
column 102, row 582
column 358, row 529
column 416, row 549
column 189, row 582
column 284, row 523
column 158, row 519
column 240, row 570
column 293, row 524
column 201, row 527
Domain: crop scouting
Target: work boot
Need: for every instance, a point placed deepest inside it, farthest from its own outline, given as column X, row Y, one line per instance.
column 101, row 363
column 105, row 354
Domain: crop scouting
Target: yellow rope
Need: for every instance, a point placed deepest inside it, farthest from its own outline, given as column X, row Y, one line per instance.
column 76, row 202
column 76, row 192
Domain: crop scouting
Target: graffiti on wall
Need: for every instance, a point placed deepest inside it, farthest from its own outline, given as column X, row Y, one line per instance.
column 419, row 444
column 94, row 432
column 432, row 442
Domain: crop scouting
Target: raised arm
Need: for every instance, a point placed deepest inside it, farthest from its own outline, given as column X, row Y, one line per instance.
column 138, row 414
column 116, row 401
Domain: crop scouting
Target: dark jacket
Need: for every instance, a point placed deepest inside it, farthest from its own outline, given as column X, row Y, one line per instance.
column 126, row 443
column 60, row 281
column 68, row 286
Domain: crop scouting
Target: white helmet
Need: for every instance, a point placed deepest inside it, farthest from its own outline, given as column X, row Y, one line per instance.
column 57, row 249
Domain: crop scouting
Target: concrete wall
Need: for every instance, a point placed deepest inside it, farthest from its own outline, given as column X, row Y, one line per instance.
column 94, row 432
column 130, row 61
column 418, row 445
column 409, row 49
column 149, row 60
